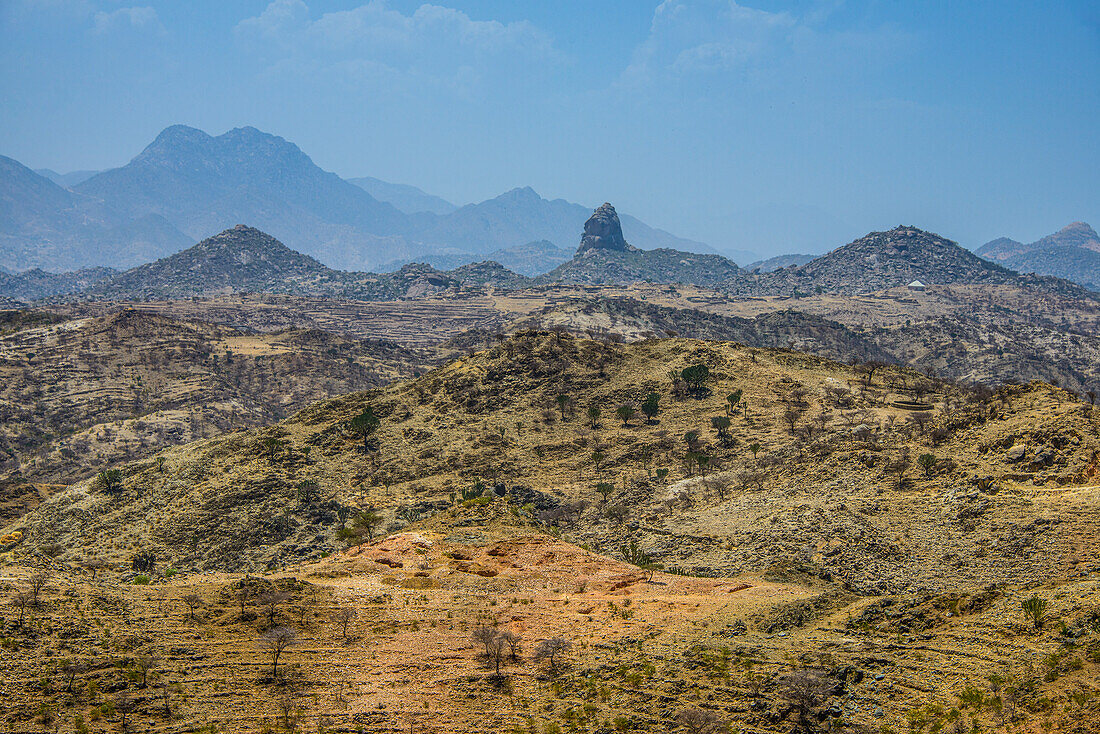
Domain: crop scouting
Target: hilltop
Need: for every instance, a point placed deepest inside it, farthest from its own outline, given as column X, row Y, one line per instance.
column 605, row 257
column 241, row 259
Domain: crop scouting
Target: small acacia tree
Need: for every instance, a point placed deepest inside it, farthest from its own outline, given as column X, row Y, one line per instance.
column 275, row 641
column 109, row 481
column 804, row 690
column 193, row 601
column 367, row 520
column 721, row 424
column 271, row 601
column 791, row 416
column 484, row 636
column 343, row 617
column 124, row 705
column 552, row 650
column 70, row 669
column 38, row 584
column 651, row 406
column 144, row 665
column 701, row 721
column 364, row 425
column 21, row 600
column 605, row 489
column 927, row 464
column 732, row 400
column 593, row 416
column 696, row 377
column 94, row 565
column 625, row 412
column 563, row 403
column 308, row 492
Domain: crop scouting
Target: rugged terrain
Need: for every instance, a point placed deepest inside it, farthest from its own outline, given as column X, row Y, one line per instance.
column 892, row 259
column 835, row 578
column 80, row 395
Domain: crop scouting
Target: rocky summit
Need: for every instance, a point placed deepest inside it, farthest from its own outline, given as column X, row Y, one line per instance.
column 603, row 231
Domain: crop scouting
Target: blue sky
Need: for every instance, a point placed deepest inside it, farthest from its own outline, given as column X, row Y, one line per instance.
column 772, row 126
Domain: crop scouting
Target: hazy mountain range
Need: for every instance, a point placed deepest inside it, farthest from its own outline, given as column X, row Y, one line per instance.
column 245, row 259
column 531, row 259
column 1072, row 253
column 408, row 199
column 187, row 185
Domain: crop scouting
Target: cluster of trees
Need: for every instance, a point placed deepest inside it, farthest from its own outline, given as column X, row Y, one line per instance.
column 503, row 646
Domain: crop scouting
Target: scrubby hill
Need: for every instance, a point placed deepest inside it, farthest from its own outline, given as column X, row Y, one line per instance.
column 652, row 266
column 631, row 320
column 816, row 453
column 766, row 654
column 879, row 261
column 245, row 260
column 36, row 284
column 489, row 273
column 79, row 395
column 239, row 259
column 778, row 262
column 860, row 532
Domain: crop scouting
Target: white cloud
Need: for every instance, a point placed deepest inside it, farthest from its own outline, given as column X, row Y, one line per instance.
column 433, row 43
column 134, row 18
column 693, row 37
column 707, row 35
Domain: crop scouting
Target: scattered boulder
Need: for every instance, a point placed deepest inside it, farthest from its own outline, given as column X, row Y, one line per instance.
column 1016, row 452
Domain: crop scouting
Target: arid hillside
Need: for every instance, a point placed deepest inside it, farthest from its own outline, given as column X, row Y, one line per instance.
column 842, row 546
column 992, row 332
column 815, row 463
column 393, row 635
column 80, row 395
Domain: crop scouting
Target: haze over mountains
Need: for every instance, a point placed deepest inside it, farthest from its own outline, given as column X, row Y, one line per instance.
column 1072, row 253
column 244, row 259
column 187, row 185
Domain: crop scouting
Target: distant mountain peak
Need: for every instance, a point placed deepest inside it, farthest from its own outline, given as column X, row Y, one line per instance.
column 603, row 231
column 1072, row 253
column 521, row 194
column 1076, row 234
column 175, row 136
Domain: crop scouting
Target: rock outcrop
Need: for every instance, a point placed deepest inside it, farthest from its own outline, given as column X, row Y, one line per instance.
column 603, row 231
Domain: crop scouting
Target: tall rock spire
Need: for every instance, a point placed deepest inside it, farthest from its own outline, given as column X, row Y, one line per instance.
column 602, row 231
